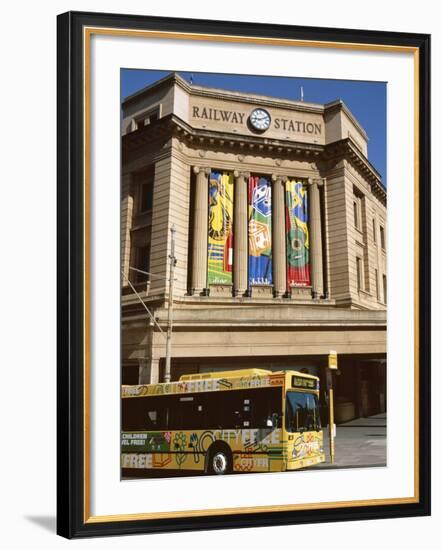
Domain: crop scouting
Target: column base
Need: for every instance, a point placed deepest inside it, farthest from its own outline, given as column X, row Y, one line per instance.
column 301, row 292
column 239, row 293
column 198, row 292
column 280, row 294
column 221, row 291
column 261, row 291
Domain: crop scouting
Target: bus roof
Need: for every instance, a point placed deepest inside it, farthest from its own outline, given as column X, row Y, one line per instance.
column 216, row 381
column 242, row 373
column 226, row 374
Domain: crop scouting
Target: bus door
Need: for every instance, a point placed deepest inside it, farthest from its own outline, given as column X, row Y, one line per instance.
column 303, row 427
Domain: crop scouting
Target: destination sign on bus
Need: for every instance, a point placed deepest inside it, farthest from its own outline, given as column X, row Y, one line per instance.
column 305, row 383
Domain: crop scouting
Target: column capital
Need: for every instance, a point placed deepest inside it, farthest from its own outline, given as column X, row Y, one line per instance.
column 316, row 181
column 241, row 174
column 201, row 169
column 276, row 177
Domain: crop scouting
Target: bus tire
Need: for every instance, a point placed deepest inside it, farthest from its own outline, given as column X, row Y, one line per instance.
column 219, row 460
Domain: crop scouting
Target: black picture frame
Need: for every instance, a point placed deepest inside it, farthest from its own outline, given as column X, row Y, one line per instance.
column 73, row 520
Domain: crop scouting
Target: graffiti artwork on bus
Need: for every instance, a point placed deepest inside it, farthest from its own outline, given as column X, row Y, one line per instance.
column 306, row 445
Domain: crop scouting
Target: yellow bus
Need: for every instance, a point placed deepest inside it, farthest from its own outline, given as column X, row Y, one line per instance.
column 249, row 420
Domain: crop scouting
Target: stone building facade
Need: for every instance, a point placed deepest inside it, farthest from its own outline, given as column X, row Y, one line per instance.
column 194, row 157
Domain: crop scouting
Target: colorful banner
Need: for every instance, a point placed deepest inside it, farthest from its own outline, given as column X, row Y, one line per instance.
column 298, row 262
column 220, row 241
column 260, row 231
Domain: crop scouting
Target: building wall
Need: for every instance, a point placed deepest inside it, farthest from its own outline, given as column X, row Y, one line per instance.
column 339, row 125
column 337, row 234
column 126, row 223
column 361, row 243
column 348, row 318
column 162, row 98
column 179, row 215
column 160, row 243
column 281, row 128
column 348, row 129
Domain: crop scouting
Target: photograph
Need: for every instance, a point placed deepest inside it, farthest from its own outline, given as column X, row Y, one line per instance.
column 253, row 257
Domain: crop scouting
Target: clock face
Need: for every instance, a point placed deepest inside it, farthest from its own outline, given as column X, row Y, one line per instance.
column 260, row 119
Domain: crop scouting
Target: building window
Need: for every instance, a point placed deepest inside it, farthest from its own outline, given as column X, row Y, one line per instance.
column 142, row 264
column 146, row 197
column 153, row 117
column 356, row 214
column 357, row 208
column 147, row 118
column 376, row 276
column 359, row 273
column 374, row 231
column 140, row 255
column 384, row 284
column 382, row 233
column 144, row 182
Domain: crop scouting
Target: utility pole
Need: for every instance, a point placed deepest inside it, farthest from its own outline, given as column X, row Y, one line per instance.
column 172, row 263
column 332, row 365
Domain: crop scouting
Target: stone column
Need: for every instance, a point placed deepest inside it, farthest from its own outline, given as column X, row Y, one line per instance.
column 326, row 242
column 279, row 253
column 240, row 234
column 200, row 228
column 315, row 238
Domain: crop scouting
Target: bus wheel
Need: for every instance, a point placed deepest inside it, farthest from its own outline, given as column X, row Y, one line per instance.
column 220, row 461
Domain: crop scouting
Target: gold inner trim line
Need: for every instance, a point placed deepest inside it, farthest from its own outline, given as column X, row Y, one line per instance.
column 416, row 274
column 87, row 33
column 253, row 509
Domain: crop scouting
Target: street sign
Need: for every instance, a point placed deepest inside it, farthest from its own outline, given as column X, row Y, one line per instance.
column 333, row 360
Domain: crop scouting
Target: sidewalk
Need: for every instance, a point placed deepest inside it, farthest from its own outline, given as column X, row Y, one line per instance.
column 360, row 442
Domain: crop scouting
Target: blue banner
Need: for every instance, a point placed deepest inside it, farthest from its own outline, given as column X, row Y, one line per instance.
column 260, row 231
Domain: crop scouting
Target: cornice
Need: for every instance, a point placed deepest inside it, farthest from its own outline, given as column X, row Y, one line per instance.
column 172, row 126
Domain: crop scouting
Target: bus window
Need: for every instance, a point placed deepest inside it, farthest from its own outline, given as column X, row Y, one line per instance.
column 266, row 408
column 145, row 413
column 190, row 413
column 206, row 410
column 302, row 412
column 224, row 410
column 243, row 409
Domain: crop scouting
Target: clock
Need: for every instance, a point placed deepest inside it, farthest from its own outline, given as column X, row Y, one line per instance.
column 259, row 120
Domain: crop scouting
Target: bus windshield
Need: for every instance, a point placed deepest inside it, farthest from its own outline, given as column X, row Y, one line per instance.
column 302, row 412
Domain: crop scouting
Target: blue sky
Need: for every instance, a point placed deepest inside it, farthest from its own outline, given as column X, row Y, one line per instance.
column 366, row 100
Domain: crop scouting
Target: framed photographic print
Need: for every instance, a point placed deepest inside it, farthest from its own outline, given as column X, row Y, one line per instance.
column 243, row 274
